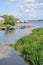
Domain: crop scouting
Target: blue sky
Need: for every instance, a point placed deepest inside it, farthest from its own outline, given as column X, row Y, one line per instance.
column 22, row 9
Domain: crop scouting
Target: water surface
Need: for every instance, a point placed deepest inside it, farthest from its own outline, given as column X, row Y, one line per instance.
column 7, row 54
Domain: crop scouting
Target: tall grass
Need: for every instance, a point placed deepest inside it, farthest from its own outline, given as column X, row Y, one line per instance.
column 31, row 47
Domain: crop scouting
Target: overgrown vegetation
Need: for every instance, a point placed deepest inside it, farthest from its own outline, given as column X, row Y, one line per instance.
column 31, row 47
column 9, row 20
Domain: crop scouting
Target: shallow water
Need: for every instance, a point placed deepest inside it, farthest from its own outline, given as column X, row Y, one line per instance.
column 7, row 54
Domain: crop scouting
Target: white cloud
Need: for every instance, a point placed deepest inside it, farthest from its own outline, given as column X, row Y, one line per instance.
column 8, row 0
column 40, row 1
column 12, row 0
column 31, row 5
column 26, row 0
column 27, row 8
column 40, row 5
column 19, row 0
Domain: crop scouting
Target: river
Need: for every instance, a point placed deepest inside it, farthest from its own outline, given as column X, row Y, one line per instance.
column 8, row 56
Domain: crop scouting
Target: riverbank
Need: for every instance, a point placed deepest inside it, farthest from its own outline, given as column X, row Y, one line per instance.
column 9, row 27
column 6, row 27
column 31, row 47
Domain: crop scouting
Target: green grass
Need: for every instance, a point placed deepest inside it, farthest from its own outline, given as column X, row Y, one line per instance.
column 31, row 47
column 5, row 25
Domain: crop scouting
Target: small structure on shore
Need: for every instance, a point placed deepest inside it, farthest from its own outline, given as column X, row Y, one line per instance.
column 1, row 20
column 11, row 28
column 7, row 28
column 23, row 27
column 2, row 28
column 21, row 21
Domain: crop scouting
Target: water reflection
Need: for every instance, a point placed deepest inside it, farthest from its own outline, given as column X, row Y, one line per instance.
column 13, row 36
column 9, row 32
column 13, row 59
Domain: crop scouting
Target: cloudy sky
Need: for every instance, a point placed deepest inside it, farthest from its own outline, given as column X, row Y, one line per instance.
column 22, row 9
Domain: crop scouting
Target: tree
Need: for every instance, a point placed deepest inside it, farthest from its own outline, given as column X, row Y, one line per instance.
column 9, row 19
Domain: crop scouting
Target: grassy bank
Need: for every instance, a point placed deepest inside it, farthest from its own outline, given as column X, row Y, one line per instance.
column 3, row 25
column 31, row 47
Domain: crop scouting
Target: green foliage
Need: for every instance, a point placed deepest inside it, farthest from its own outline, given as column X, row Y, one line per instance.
column 31, row 47
column 9, row 19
